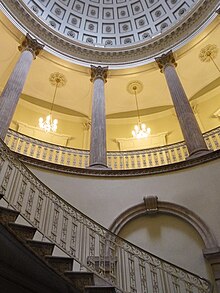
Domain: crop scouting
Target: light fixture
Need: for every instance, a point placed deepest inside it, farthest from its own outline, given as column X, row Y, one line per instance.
column 140, row 129
column 58, row 80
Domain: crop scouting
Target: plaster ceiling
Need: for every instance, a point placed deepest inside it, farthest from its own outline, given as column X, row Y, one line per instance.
column 111, row 22
column 117, row 33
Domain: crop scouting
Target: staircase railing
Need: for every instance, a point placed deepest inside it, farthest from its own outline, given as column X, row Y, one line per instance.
column 93, row 247
column 121, row 160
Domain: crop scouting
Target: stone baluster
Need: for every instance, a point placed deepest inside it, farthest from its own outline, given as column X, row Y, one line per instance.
column 29, row 48
column 191, row 132
column 98, row 156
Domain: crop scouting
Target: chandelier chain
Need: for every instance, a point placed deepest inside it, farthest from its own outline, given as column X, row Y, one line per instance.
column 49, row 124
column 138, row 112
column 214, row 63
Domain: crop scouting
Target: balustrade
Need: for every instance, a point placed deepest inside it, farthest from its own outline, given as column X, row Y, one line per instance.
column 94, row 248
column 122, row 160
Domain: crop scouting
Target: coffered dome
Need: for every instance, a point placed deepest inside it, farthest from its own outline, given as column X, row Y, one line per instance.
column 111, row 22
column 112, row 32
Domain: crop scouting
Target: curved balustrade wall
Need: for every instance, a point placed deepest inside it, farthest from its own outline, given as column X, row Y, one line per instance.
column 93, row 247
column 123, row 160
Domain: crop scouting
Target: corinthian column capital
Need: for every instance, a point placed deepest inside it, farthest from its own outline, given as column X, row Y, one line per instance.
column 165, row 60
column 32, row 45
column 99, row 72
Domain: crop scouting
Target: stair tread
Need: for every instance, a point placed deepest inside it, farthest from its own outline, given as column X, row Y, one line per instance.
column 21, row 226
column 8, row 215
column 40, row 242
column 60, row 263
column 55, row 257
column 10, row 210
column 23, row 231
column 40, row 247
column 79, row 273
column 80, row 279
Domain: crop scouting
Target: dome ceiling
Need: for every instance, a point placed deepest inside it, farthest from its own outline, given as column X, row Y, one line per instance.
column 111, row 22
column 116, row 33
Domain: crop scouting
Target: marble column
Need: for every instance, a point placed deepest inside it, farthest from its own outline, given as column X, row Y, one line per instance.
column 98, row 156
column 191, row 132
column 29, row 48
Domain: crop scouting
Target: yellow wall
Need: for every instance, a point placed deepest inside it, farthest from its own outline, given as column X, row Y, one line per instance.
column 79, row 137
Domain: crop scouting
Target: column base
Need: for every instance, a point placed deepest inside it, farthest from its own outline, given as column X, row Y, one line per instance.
column 99, row 166
column 199, row 153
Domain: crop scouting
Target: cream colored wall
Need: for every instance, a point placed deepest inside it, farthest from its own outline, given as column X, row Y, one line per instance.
column 206, row 108
column 103, row 199
column 159, row 123
column 171, row 238
column 118, row 128
column 30, row 114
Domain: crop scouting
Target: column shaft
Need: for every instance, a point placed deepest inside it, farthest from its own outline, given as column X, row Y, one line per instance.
column 12, row 91
column 189, row 126
column 98, row 156
column 191, row 132
column 29, row 48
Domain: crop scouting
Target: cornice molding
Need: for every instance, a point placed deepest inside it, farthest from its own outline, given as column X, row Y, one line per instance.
column 124, row 55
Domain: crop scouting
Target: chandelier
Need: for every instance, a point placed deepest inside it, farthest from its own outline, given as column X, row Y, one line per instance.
column 140, row 129
column 49, row 124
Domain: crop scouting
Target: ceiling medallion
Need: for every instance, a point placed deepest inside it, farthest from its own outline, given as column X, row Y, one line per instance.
column 209, row 53
column 58, row 79
column 135, row 84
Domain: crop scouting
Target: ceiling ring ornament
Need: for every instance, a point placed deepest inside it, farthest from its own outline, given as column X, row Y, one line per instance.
column 208, row 53
column 127, row 55
column 135, row 86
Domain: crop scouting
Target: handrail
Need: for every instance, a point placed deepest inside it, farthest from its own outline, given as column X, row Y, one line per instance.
column 117, row 160
column 93, row 247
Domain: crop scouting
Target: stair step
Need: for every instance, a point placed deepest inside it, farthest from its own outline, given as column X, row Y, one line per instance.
column 24, row 232
column 80, row 279
column 61, row 264
column 8, row 215
column 41, row 248
column 99, row 289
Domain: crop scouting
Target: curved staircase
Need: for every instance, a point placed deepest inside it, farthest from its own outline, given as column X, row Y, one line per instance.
column 47, row 245
column 28, row 265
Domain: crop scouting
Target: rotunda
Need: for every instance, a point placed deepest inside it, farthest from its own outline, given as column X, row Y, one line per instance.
column 94, row 92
